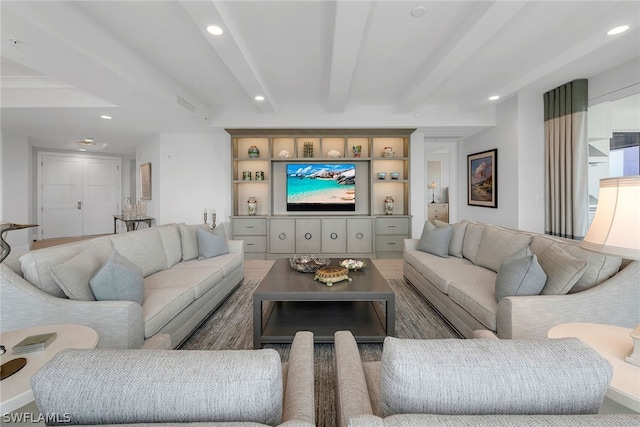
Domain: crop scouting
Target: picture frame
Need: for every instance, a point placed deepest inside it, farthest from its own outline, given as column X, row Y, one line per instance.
column 145, row 181
column 482, row 179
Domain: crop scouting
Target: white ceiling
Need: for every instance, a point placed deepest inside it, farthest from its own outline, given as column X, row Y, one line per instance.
column 318, row 63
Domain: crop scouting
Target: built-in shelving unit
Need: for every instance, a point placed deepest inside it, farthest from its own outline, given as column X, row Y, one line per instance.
column 275, row 232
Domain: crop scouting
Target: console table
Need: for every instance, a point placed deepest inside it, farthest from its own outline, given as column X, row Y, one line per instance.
column 16, row 389
column 131, row 223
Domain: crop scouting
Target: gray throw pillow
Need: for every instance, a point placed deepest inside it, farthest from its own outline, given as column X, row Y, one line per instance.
column 435, row 240
column 118, row 280
column 212, row 243
column 457, row 237
column 73, row 275
column 520, row 276
column 563, row 270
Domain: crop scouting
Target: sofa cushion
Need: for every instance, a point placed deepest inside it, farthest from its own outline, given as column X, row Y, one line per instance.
column 478, row 298
column 144, row 248
column 160, row 305
column 525, row 377
column 36, row 266
column 562, row 270
column 520, row 276
column 472, row 239
column 457, row 237
column 211, row 243
column 600, row 267
column 497, row 244
column 118, row 280
column 200, row 279
column 227, row 262
column 442, row 274
column 435, row 240
column 171, row 242
column 188, row 236
column 73, row 275
column 166, row 387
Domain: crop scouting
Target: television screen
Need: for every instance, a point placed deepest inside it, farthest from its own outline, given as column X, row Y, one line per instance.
column 321, row 187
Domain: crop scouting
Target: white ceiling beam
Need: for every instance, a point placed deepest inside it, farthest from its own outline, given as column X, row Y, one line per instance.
column 479, row 26
column 351, row 19
column 232, row 49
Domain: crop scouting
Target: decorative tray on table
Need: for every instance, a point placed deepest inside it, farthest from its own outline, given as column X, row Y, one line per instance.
column 308, row 263
column 353, row 264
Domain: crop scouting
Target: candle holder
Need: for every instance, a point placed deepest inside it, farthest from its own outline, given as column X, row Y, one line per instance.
column 213, row 221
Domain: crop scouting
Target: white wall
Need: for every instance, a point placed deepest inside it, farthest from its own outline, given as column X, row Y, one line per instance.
column 150, row 152
column 417, row 178
column 16, row 188
column 531, row 162
column 504, row 137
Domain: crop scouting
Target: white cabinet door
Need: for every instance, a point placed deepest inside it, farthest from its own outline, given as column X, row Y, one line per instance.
column 359, row 235
column 282, row 236
column 308, row 236
column 334, row 235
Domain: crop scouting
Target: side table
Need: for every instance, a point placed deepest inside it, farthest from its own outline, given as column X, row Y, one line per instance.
column 15, row 391
column 613, row 343
column 131, row 223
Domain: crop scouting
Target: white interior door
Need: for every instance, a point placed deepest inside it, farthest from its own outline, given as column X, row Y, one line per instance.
column 101, row 194
column 61, row 197
column 78, row 195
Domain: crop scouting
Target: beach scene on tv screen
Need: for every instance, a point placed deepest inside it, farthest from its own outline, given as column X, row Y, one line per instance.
column 321, row 183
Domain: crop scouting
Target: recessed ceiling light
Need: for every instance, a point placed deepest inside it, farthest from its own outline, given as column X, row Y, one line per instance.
column 259, row 98
column 215, row 30
column 494, row 98
column 104, row 116
column 416, row 12
column 617, row 30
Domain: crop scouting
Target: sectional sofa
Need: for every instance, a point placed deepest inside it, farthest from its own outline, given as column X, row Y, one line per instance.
column 581, row 286
column 179, row 290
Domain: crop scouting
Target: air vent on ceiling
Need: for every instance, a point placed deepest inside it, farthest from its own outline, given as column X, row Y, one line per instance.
column 181, row 101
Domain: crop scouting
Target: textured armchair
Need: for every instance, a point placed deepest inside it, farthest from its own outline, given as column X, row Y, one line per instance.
column 246, row 387
column 473, row 382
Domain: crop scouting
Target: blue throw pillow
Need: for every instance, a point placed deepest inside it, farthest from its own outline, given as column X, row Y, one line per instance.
column 520, row 276
column 435, row 240
column 118, row 280
column 212, row 243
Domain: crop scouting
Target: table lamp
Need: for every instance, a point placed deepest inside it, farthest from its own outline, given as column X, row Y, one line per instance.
column 615, row 230
column 432, row 186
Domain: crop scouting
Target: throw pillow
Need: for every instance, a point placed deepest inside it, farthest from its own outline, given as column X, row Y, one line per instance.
column 211, row 243
column 189, row 241
column 457, row 237
column 118, row 280
column 562, row 269
column 435, row 240
column 520, row 276
column 73, row 275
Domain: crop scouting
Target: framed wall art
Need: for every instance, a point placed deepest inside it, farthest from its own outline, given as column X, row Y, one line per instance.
column 482, row 179
column 145, row 181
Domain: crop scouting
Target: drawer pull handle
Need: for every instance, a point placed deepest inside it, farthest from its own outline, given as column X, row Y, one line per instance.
column 334, row 236
column 282, row 236
column 391, row 226
column 391, row 243
column 249, row 226
column 250, row 244
column 308, row 236
column 359, row 236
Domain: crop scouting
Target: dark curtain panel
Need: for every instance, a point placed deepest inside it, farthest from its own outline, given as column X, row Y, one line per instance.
column 566, row 160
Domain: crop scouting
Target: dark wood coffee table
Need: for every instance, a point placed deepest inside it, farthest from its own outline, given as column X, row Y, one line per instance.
column 288, row 301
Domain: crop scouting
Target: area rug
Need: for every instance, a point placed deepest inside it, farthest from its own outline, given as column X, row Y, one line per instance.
column 230, row 327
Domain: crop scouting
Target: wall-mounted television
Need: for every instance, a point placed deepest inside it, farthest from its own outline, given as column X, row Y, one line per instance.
column 321, row 187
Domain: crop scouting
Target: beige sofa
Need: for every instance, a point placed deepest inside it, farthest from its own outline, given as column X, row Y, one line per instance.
column 180, row 291
column 462, row 286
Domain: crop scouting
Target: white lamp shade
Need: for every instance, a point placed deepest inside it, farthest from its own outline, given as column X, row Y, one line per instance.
column 615, row 229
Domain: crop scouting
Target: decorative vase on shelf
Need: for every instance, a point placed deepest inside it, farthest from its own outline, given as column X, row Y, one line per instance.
column 253, row 205
column 254, row 152
column 357, row 150
column 388, row 205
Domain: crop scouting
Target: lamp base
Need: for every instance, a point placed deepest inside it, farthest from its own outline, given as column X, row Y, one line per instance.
column 634, row 355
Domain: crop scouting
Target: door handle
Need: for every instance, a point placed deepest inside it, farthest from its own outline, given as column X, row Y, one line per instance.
column 79, row 204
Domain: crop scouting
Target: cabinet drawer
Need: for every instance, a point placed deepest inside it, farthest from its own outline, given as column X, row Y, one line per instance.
column 392, row 226
column 249, row 227
column 389, row 243
column 255, row 243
